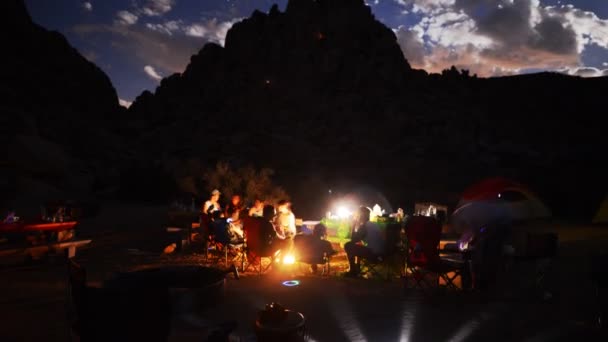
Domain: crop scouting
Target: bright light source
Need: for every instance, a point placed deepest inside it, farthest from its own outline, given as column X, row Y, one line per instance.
column 291, row 283
column 499, row 195
column 289, row 259
column 343, row 212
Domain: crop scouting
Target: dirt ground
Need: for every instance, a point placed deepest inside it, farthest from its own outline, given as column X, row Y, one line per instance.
column 126, row 237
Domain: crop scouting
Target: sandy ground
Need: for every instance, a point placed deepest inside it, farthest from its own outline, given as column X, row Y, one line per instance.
column 32, row 297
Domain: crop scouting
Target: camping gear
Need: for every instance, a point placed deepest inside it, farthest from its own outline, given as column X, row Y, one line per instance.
column 499, row 199
column 423, row 260
column 393, row 259
column 275, row 323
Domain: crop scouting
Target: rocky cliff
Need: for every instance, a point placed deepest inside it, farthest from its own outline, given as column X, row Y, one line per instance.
column 52, row 100
column 322, row 91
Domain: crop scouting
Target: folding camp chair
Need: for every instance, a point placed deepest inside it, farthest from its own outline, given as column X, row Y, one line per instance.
column 235, row 253
column 392, row 262
column 425, row 269
column 255, row 260
column 257, row 245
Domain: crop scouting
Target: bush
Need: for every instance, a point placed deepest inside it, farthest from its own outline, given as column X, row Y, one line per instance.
column 249, row 182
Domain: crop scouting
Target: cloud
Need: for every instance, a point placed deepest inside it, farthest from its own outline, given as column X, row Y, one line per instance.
column 124, row 103
column 154, row 8
column 498, row 36
column 211, row 30
column 168, row 28
column 87, row 6
column 412, row 46
column 588, row 72
column 589, row 28
column 152, row 73
column 141, row 45
column 125, row 18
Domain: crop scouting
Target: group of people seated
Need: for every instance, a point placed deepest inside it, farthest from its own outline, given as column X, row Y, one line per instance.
column 265, row 228
column 229, row 222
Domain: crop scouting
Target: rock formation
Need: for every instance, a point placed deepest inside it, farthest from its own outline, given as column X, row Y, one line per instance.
column 52, row 97
column 323, row 94
column 323, row 89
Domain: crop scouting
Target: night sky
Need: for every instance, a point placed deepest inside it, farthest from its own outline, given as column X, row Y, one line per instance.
column 137, row 42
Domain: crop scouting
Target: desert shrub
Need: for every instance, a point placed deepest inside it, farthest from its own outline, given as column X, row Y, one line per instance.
column 249, row 182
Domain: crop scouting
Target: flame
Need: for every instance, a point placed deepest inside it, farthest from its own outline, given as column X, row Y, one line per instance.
column 289, row 259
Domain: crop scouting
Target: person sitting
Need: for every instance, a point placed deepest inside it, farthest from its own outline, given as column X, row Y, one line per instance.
column 235, row 226
column 366, row 232
column 258, row 208
column 313, row 249
column 219, row 228
column 212, row 205
column 234, row 205
column 285, row 221
column 285, row 226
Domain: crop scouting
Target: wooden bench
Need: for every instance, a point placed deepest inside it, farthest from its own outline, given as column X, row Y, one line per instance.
column 69, row 247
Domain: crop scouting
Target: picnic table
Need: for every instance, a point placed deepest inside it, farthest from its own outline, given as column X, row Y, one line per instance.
column 23, row 238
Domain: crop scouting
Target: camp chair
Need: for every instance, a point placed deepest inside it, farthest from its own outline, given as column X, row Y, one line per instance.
column 423, row 261
column 257, row 247
column 255, row 260
column 218, row 245
column 236, row 252
column 392, row 262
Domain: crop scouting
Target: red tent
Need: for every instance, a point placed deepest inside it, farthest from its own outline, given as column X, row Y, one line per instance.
column 500, row 198
column 491, row 188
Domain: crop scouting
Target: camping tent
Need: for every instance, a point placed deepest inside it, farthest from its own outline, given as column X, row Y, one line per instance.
column 602, row 213
column 494, row 203
column 499, row 199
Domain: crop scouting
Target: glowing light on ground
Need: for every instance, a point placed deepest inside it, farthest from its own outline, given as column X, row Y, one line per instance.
column 290, row 283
